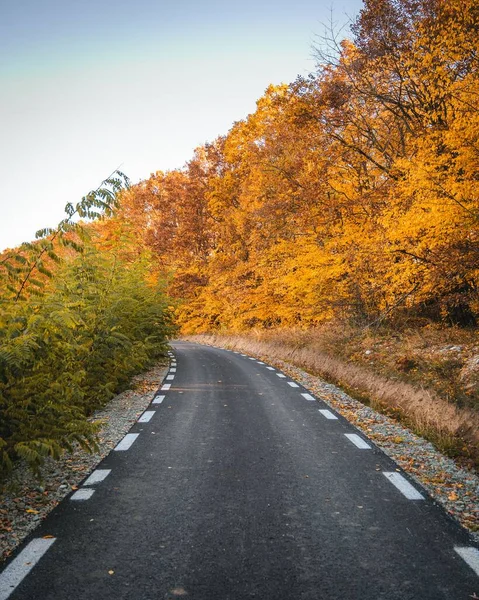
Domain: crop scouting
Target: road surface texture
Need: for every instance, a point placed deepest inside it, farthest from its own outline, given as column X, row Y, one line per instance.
column 237, row 484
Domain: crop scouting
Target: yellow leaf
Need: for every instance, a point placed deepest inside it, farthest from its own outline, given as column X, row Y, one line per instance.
column 110, row 572
column 32, row 511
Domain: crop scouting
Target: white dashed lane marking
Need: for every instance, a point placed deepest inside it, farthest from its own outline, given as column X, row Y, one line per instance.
column 173, row 370
column 403, row 486
column 83, row 494
column 471, row 556
column 158, row 399
column 292, row 384
column 251, row 358
column 308, row 397
column 328, row 414
column 166, row 386
column 260, row 363
column 358, row 441
column 97, row 476
column 270, row 368
column 280, row 375
column 16, row 571
column 126, row 442
column 146, row 416
column 170, row 377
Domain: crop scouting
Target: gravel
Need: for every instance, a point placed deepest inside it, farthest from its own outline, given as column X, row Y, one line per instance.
column 26, row 500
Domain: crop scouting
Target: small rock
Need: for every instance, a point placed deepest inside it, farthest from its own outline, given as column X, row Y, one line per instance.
column 469, row 375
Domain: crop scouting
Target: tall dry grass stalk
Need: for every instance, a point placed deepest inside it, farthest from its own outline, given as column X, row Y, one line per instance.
column 427, row 412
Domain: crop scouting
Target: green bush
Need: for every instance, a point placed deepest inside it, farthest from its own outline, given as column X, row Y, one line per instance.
column 70, row 340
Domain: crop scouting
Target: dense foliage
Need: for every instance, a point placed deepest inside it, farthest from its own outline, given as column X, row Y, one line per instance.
column 350, row 194
column 80, row 313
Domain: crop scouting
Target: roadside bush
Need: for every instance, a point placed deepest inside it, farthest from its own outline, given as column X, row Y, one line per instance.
column 78, row 318
column 67, row 352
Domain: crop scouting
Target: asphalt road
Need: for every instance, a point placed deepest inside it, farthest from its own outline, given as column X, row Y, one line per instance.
column 239, row 487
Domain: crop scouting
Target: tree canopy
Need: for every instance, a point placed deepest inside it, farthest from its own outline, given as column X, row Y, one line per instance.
column 349, row 194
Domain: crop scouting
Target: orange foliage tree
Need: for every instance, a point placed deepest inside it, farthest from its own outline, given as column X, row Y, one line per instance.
column 348, row 194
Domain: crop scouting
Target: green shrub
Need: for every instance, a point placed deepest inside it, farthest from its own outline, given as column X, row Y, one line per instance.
column 70, row 340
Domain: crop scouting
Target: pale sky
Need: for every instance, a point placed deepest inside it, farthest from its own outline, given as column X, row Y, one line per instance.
column 87, row 86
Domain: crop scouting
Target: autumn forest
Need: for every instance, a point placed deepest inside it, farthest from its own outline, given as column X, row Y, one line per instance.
column 349, row 196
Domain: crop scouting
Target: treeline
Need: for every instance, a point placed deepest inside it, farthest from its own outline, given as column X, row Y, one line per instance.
column 350, row 194
column 81, row 311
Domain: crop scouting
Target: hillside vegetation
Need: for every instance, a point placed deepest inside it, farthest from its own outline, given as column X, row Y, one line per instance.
column 350, row 195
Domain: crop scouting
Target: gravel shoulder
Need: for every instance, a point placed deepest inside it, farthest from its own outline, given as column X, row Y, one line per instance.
column 25, row 500
column 455, row 488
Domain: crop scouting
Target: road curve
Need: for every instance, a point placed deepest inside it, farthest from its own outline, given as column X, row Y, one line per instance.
column 236, row 484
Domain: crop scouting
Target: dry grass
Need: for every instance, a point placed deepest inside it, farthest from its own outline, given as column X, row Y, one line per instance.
column 374, row 368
